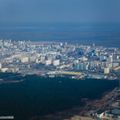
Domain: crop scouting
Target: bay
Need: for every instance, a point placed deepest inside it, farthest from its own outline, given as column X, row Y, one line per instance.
column 38, row 96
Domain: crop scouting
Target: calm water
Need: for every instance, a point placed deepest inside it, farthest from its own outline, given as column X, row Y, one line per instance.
column 41, row 96
column 102, row 34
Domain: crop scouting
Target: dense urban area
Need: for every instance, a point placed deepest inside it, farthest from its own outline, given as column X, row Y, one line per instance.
column 77, row 61
column 59, row 59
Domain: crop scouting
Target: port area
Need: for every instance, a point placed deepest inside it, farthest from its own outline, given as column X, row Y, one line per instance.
column 105, row 108
column 69, row 74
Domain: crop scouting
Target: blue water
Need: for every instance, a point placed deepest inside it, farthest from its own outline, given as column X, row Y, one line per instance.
column 40, row 96
column 106, row 34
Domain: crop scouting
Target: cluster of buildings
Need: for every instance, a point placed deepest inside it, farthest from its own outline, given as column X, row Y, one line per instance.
column 56, row 58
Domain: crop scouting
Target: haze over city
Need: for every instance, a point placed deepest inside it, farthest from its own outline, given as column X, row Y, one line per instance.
column 36, row 11
column 60, row 59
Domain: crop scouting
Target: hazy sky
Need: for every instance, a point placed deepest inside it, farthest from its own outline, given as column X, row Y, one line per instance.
column 15, row 11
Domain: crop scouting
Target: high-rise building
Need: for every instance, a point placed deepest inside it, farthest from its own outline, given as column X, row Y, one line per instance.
column 24, row 59
column 106, row 70
column 110, row 59
column 0, row 65
column 56, row 62
column 48, row 62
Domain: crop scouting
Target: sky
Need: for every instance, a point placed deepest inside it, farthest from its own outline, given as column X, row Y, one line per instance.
column 37, row 11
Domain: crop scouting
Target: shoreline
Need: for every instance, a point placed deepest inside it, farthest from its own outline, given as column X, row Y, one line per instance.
column 10, row 82
column 2, row 81
column 82, row 112
column 70, row 112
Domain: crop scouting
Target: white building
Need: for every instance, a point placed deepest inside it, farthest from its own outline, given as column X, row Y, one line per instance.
column 106, row 70
column 4, row 69
column 0, row 65
column 48, row 62
column 56, row 62
column 24, row 59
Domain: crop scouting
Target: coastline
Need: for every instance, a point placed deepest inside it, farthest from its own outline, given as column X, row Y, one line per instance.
column 84, row 112
column 11, row 81
column 41, row 86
